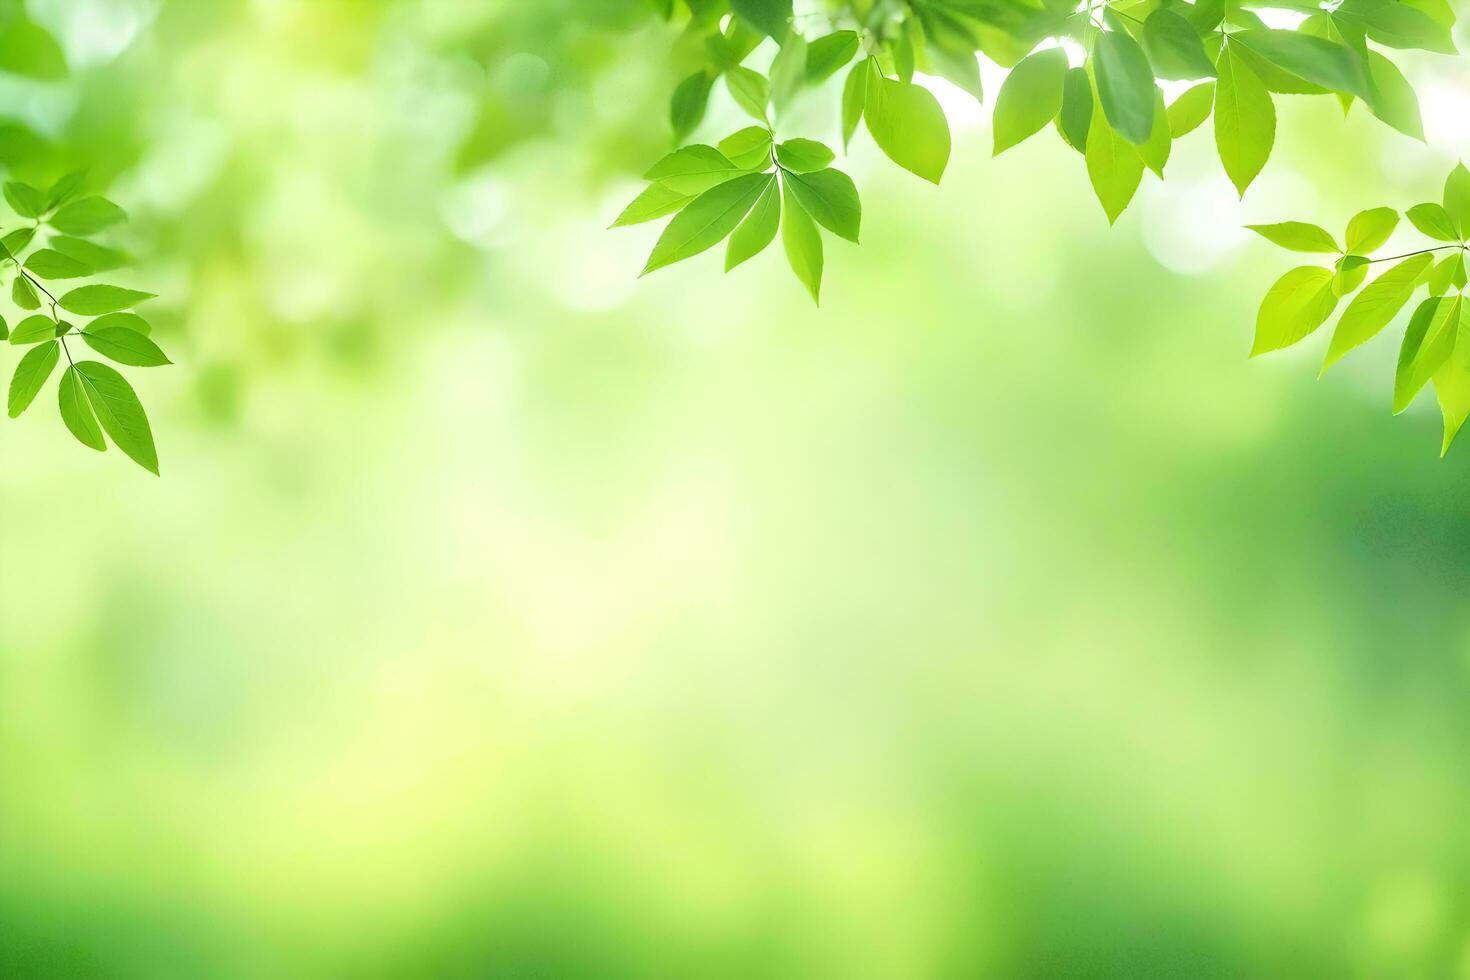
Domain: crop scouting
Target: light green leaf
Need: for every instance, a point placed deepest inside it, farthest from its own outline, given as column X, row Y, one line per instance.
column 1434, row 221
column 1396, row 105
column 1351, row 271
column 1191, row 109
column 33, row 330
column 1452, row 391
column 120, row 412
column 1373, row 308
column 1114, row 167
column 127, row 321
column 788, row 71
column 1370, row 229
column 1075, row 119
column 76, row 411
column 1298, row 236
column 23, row 294
column 124, row 346
column 656, row 201
column 1398, row 25
column 28, row 49
column 15, row 242
column 1314, row 59
column 1245, row 120
column 750, row 89
column 688, row 104
column 906, row 122
column 50, row 264
column 30, row 374
column 804, row 156
column 1299, row 303
column 693, row 169
column 830, row 197
column 98, row 258
column 1439, row 333
column 854, row 99
column 1174, row 47
column 87, row 216
column 1030, row 97
column 706, row 221
column 96, row 300
column 749, row 149
column 1125, row 86
column 1457, row 199
column 64, row 188
column 1450, row 272
column 803, row 244
column 826, row 55
column 1155, row 152
column 758, row 229
column 25, row 200
column 960, row 67
column 4, row 329
column 1404, row 389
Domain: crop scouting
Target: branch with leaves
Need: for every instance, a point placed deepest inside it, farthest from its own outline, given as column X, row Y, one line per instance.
column 95, row 400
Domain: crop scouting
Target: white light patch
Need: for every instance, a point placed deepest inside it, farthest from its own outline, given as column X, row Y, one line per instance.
column 1282, row 20
column 1192, row 227
column 1446, row 110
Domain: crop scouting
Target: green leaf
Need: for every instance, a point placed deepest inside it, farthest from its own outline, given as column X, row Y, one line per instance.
column 686, row 108
column 1404, row 389
column 656, row 201
column 1450, row 272
column 1438, row 342
column 826, row 55
column 64, row 188
column 1155, row 152
column 1174, row 47
column 770, row 17
column 1314, row 59
column 1370, row 229
column 1457, row 199
column 96, row 300
column 25, row 200
column 49, row 264
column 98, row 258
column 15, row 242
column 908, row 125
column 1075, row 118
column 706, row 221
column 4, row 329
column 960, row 67
column 1434, row 221
column 1030, row 97
column 30, row 374
column 23, row 294
column 758, row 229
column 1299, row 303
column 1191, row 109
column 87, row 216
column 1125, row 86
column 803, row 244
column 120, row 412
column 33, row 330
column 1396, row 105
column 788, row 71
column 1351, row 271
column 124, row 346
column 1373, row 308
column 1245, row 120
column 127, row 321
column 749, row 149
column 76, row 411
column 1298, row 236
column 1113, row 166
column 750, row 89
column 804, row 156
column 1397, row 25
column 1206, row 15
column 693, row 169
column 1452, row 391
column 28, row 49
column 830, row 197
column 854, row 99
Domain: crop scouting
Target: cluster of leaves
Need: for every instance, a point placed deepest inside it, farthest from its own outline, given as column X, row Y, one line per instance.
column 1436, row 343
column 1110, row 106
column 95, row 401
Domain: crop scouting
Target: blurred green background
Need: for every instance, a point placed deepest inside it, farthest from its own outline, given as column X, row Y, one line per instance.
column 500, row 615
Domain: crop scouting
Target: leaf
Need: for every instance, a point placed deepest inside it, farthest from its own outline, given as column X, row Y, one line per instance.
column 1314, row 59
column 1373, row 308
column 96, row 300
column 1398, row 25
column 87, row 216
column 1439, row 335
column 706, row 221
column 120, row 412
column 98, row 258
column 1434, row 221
column 788, row 71
column 656, row 201
column 770, row 17
column 1452, row 391
column 1075, row 119
column 1457, row 199
column 750, row 89
column 23, row 294
column 1245, row 120
column 1450, row 272
column 1299, row 303
column 31, row 374
column 1174, row 48
column 1351, row 271
column 748, row 149
column 686, row 107
column 1370, row 229
column 64, row 188
column 908, row 125
column 826, row 55
column 33, row 330
column 803, row 243
column 1191, row 109
column 124, row 346
column 1030, row 97
column 1403, row 388
column 1298, row 236
column 804, row 156
column 1155, row 152
column 1125, row 86
column 960, row 67
column 25, row 200
column 1114, row 167
column 854, row 99
column 76, row 411
column 693, row 169
column 127, row 321
column 15, row 242
column 758, row 229
column 4, row 329
column 830, row 197
column 1396, row 105
column 49, row 264
column 27, row 49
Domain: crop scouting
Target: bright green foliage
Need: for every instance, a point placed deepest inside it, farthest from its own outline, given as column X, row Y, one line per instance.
column 1245, row 119
column 803, row 244
column 1436, row 342
column 1125, row 85
column 94, row 400
column 1030, row 98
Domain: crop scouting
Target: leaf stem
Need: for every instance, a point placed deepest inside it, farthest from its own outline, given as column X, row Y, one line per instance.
column 1422, row 251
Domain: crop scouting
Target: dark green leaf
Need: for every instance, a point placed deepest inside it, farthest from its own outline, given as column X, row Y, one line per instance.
column 1314, row 59
column 1174, row 47
column 770, row 17
column 1125, row 86
column 1075, row 118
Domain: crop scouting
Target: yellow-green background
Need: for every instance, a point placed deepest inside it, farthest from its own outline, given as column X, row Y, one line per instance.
column 499, row 615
